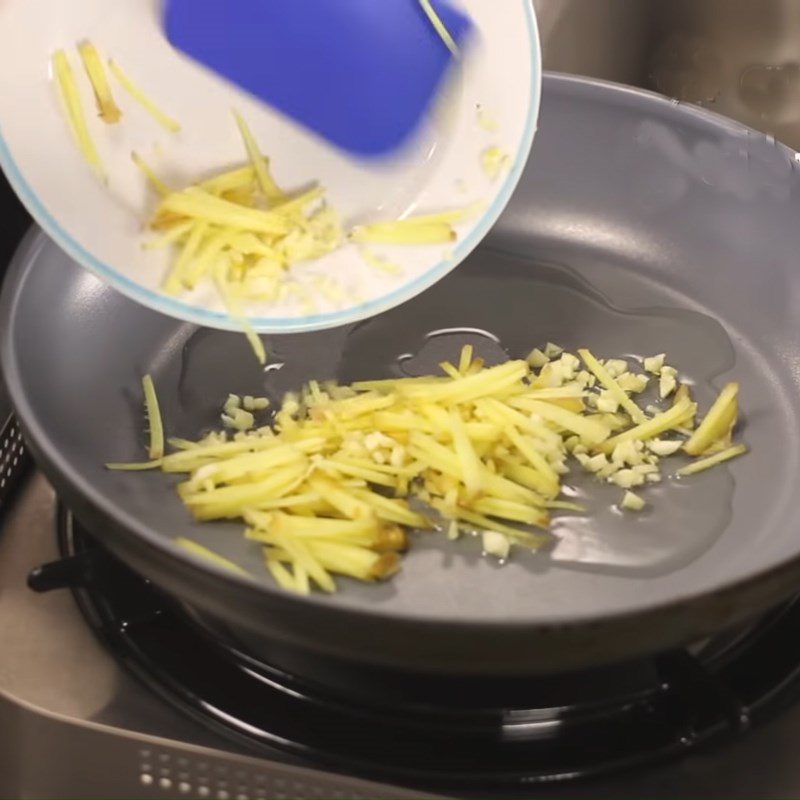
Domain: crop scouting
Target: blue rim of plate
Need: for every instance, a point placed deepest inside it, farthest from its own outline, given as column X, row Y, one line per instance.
column 218, row 319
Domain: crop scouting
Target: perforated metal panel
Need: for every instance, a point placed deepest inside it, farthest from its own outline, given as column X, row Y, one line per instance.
column 14, row 458
column 96, row 762
column 184, row 775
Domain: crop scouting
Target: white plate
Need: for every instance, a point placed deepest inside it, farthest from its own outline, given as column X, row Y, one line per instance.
column 102, row 226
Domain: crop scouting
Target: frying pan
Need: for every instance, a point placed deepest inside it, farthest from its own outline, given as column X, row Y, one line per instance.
column 640, row 226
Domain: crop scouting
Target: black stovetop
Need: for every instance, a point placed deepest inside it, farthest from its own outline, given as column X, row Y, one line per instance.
column 15, row 221
column 447, row 734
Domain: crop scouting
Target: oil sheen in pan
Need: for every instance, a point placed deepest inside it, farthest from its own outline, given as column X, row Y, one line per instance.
column 504, row 307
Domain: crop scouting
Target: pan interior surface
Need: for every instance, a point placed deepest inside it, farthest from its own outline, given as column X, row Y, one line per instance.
column 693, row 259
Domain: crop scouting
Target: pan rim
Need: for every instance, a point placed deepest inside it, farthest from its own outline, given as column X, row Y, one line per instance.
column 785, row 568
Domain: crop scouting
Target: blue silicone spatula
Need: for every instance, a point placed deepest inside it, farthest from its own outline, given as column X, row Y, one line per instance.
column 360, row 73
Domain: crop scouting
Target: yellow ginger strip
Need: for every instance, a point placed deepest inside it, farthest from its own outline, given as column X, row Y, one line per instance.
column 508, row 509
column 188, row 460
column 717, row 423
column 532, row 540
column 471, row 466
column 316, row 530
column 619, row 394
column 303, row 556
column 258, row 161
column 198, row 549
column 357, row 562
column 156, row 447
column 341, row 461
column 340, row 499
column 711, row 461
column 360, row 471
column 305, row 500
column 175, row 279
column 354, row 561
column 501, row 413
column 301, row 579
column 450, row 370
column 238, row 315
column 527, row 448
column 440, row 28
column 228, row 501
column 308, row 532
column 230, row 181
column 311, row 527
column 206, row 482
column 92, row 63
column 531, row 479
column 151, row 176
column 247, row 465
column 484, row 384
column 199, row 204
column 400, row 233
column 293, row 205
column 392, row 510
column 589, row 430
column 68, row 89
column 135, row 467
column 669, row 420
column 465, row 359
column 282, row 576
column 146, row 102
column 422, row 229
column 208, row 258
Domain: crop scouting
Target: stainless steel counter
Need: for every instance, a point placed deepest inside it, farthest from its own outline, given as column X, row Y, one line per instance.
column 740, row 58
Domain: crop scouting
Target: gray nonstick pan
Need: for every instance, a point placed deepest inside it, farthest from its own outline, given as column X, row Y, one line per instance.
column 641, row 226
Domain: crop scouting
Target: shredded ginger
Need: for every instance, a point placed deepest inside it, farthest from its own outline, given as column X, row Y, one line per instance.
column 440, row 28
column 240, row 229
column 331, row 486
column 108, row 109
column 139, row 95
column 73, row 109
